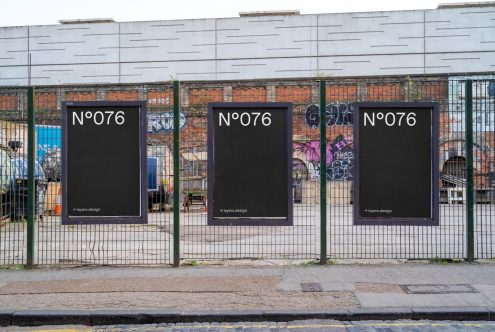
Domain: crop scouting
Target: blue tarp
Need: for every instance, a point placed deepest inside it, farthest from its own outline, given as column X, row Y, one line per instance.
column 152, row 176
column 47, row 138
column 20, row 167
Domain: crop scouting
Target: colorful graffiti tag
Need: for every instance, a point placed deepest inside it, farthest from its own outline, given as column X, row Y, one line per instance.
column 338, row 114
column 339, row 157
column 159, row 122
column 48, row 153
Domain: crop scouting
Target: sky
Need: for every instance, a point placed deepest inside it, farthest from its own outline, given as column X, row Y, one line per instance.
column 34, row 12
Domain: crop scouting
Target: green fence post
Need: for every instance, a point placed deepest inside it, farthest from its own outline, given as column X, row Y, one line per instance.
column 469, row 172
column 323, row 173
column 176, row 174
column 31, row 188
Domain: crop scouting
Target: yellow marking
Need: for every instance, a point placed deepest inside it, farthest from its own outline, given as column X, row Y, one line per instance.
column 293, row 327
column 64, row 330
column 322, row 326
column 396, row 324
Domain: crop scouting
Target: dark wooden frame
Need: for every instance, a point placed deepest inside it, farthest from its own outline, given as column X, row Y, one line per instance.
column 212, row 221
column 89, row 220
column 434, row 110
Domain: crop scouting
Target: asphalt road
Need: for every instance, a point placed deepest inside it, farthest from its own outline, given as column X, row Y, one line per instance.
column 314, row 325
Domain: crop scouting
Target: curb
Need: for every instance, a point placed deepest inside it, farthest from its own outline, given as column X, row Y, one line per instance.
column 114, row 317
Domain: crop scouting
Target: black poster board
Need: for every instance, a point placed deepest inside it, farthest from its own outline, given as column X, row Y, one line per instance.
column 396, row 164
column 104, row 163
column 250, row 164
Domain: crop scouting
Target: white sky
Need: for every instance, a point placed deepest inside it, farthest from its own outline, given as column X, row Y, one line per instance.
column 32, row 12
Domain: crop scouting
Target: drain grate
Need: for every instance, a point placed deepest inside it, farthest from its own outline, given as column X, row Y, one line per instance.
column 311, row 287
column 438, row 289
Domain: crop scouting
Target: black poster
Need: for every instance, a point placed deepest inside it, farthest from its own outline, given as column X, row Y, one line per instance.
column 396, row 155
column 104, row 163
column 249, row 164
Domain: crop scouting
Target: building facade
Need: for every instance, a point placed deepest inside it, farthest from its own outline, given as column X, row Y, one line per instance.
column 447, row 40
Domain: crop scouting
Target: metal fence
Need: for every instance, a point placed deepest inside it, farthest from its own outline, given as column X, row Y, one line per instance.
column 13, row 119
column 177, row 227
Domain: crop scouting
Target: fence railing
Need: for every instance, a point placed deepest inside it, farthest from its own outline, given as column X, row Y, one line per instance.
column 31, row 232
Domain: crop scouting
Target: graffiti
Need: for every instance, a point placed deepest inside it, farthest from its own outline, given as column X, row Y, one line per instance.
column 313, row 116
column 338, row 114
column 159, row 101
column 197, row 122
column 47, row 138
column 52, row 164
column 483, row 116
column 48, row 154
column 339, row 157
column 341, row 167
column 158, row 122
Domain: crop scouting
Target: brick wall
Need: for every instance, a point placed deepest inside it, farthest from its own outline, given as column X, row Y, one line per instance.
column 294, row 94
column 249, row 94
column 122, row 95
column 45, row 101
column 80, row 96
column 160, row 98
column 9, row 102
column 341, row 93
column 384, row 92
column 205, row 96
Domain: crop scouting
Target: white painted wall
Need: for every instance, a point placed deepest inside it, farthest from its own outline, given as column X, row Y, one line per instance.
column 454, row 40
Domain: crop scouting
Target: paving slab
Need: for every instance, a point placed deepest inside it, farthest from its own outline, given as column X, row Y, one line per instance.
column 487, row 290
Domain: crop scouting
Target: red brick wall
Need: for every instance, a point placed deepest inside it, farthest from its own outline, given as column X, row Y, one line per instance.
column 45, row 101
column 205, row 96
column 340, row 93
column 9, row 102
column 384, row 92
column 122, row 95
column 160, row 98
column 435, row 91
column 80, row 96
column 256, row 94
column 295, row 94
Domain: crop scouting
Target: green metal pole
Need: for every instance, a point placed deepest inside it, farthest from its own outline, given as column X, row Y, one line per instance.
column 176, row 175
column 469, row 171
column 31, row 188
column 323, row 173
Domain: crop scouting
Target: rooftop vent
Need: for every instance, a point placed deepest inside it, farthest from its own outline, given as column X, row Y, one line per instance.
column 270, row 13
column 87, row 21
column 466, row 4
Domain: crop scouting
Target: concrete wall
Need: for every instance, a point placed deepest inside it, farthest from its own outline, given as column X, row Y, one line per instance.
column 450, row 40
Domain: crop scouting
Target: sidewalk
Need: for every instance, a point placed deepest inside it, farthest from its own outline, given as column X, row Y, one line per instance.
column 123, row 294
